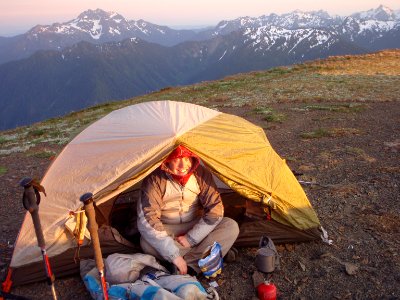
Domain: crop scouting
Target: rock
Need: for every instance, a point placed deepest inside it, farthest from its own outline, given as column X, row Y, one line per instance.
column 289, row 247
column 302, row 266
column 307, row 168
column 287, row 279
column 351, row 269
column 393, row 146
column 280, row 248
column 325, row 255
column 231, row 256
column 365, row 261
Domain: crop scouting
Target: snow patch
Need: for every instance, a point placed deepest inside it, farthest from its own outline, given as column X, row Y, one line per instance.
column 222, row 26
column 374, row 25
column 114, row 31
column 141, row 27
column 222, row 55
column 95, row 32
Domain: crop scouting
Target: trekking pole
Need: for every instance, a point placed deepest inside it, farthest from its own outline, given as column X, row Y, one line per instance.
column 87, row 200
column 30, row 201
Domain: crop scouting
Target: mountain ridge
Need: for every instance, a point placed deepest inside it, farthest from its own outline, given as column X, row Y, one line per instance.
column 345, row 81
column 99, row 26
column 53, row 82
column 86, row 73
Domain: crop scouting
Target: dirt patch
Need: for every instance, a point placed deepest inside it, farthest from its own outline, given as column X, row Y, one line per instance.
column 354, row 189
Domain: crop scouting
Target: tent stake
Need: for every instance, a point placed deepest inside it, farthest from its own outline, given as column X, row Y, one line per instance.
column 87, row 200
column 30, row 201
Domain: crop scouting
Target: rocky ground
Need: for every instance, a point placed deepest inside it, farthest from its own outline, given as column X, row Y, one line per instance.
column 350, row 154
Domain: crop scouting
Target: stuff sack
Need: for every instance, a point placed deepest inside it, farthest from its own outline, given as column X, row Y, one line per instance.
column 183, row 286
column 126, row 291
column 153, row 284
column 147, row 291
column 93, row 285
column 125, row 268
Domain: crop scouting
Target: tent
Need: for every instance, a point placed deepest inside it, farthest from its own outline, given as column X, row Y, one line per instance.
column 112, row 156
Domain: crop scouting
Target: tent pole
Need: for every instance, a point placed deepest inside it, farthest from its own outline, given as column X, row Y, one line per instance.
column 87, row 200
column 30, row 201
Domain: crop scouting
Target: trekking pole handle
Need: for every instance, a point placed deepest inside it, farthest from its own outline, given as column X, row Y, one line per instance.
column 31, row 204
column 87, row 200
column 30, row 201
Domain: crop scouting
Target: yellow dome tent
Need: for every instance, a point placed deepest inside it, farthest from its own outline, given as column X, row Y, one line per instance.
column 114, row 154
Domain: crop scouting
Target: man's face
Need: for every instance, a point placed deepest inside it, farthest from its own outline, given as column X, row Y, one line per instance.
column 180, row 166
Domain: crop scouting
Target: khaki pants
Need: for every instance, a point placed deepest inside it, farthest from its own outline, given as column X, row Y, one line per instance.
column 225, row 233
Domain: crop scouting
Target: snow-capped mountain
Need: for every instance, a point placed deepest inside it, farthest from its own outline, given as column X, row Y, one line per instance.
column 381, row 19
column 382, row 13
column 299, row 19
column 289, row 40
column 95, row 26
column 102, row 26
column 371, row 29
column 293, row 20
column 366, row 29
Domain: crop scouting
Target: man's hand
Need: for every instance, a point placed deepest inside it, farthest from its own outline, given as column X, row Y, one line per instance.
column 180, row 263
column 183, row 241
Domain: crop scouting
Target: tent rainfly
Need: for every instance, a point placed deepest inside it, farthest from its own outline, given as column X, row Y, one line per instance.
column 112, row 156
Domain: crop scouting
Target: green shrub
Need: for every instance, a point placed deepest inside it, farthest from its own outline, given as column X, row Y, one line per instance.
column 318, row 133
column 3, row 170
column 43, row 154
column 268, row 114
column 346, row 107
column 37, row 132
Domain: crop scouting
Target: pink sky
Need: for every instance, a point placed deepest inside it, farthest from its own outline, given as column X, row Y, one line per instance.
column 18, row 16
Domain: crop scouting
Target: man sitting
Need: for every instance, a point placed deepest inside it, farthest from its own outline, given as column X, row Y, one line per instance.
column 180, row 212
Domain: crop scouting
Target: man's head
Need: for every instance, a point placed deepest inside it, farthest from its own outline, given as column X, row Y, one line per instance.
column 180, row 166
column 181, row 163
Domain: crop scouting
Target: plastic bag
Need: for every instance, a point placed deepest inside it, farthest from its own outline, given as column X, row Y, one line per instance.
column 211, row 264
